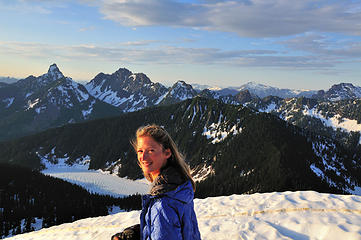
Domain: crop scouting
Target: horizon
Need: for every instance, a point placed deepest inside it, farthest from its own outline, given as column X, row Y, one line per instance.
column 201, row 86
column 285, row 44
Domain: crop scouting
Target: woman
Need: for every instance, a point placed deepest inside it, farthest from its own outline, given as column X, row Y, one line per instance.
column 168, row 210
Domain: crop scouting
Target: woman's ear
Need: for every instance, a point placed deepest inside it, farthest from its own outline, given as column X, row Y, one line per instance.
column 168, row 153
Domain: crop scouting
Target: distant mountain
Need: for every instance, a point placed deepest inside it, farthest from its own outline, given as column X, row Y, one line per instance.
column 37, row 103
column 8, row 80
column 339, row 120
column 126, row 91
column 50, row 100
column 130, row 92
column 180, row 91
column 263, row 91
column 338, row 92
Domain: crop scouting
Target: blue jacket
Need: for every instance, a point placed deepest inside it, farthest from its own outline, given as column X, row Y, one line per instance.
column 170, row 215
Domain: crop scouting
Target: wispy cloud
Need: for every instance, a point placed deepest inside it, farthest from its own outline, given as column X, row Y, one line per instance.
column 85, row 29
column 172, row 55
column 248, row 18
column 23, row 7
column 140, row 43
column 322, row 45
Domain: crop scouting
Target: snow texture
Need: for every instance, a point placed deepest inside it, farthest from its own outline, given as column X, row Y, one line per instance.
column 289, row 215
column 95, row 181
column 217, row 131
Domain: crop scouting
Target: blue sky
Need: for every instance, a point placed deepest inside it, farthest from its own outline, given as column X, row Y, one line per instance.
column 308, row 44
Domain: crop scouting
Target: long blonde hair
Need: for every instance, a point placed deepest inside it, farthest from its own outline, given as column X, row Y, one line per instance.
column 161, row 136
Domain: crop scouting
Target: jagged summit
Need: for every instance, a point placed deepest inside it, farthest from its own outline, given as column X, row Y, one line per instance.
column 126, row 90
column 178, row 92
column 339, row 92
column 54, row 72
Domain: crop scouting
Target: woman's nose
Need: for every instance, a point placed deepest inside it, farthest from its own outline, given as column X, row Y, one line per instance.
column 144, row 155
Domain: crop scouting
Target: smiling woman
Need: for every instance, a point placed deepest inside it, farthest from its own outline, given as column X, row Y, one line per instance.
column 168, row 210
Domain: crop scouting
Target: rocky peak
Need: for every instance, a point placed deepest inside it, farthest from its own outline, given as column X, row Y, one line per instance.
column 182, row 90
column 54, row 73
column 244, row 96
column 339, row 92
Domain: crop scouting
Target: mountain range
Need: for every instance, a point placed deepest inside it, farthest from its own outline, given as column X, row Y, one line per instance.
column 245, row 140
column 34, row 104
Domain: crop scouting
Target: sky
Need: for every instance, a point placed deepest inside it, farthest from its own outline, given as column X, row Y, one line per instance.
column 308, row 44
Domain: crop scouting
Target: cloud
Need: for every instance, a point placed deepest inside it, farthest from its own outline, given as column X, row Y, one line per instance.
column 33, row 6
column 140, row 43
column 164, row 55
column 323, row 45
column 251, row 18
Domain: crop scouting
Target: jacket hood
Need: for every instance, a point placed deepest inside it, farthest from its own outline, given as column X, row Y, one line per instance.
column 168, row 179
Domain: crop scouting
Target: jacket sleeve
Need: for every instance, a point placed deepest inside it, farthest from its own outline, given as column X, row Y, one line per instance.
column 166, row 223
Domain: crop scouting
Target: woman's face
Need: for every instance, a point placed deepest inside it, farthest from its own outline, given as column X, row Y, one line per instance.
column 151, row 155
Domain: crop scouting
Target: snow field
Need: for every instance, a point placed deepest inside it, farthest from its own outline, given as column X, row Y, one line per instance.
column 94, row 181
column 104, row 184
column 288, row 215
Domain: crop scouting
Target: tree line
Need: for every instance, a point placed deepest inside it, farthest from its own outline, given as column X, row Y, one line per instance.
column 27, row 195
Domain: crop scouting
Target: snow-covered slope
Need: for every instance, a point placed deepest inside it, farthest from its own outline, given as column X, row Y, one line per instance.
column 95, row 181
column 263, row 91
column 127, row 91
column 178, row 92
column 287, row 215
column 340, row 91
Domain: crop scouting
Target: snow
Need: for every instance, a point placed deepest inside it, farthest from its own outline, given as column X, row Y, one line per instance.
column 336, row 121
column 82, row 96
column 279, row 215
column 161, row 98
column 108, row 95
column 32, row 104
column 213, row 132
column 202, row 174
column 87, row 112
column 217, row 132
column 8, row 101
column 54, row 72
column 96, row 181
column 270, row 108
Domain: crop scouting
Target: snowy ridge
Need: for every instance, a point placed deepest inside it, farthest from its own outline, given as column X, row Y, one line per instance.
column 107, row 96
column 126, row 90
column 263, row 91
column 180, row 91
column 340, row 92
column 289, row 108
column 287, row 215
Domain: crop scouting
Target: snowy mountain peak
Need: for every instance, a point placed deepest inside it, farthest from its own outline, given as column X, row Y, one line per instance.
column 181, row 90
column 54, row 72
column 263, row 91
column 340, row 92
column 126, row 90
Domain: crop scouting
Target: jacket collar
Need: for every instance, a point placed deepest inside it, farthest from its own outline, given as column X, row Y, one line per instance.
column 168, row 179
